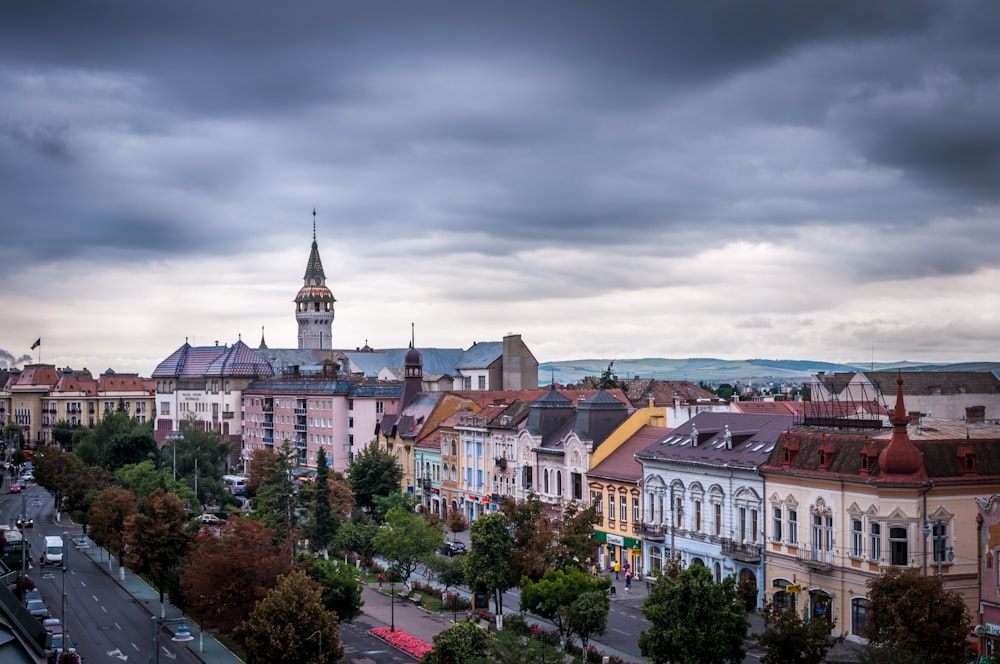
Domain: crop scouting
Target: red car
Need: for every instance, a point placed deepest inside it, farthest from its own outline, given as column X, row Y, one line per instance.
column 15, row 487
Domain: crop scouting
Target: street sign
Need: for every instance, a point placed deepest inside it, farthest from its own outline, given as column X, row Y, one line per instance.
column 793, row 588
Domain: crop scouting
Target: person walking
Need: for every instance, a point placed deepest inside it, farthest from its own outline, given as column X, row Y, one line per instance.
column 628, row 581
column 618, row 568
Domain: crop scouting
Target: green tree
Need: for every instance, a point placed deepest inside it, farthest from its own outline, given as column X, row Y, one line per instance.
column 588, row 615
column 120, row 440
column 81, row 489
column 341, row 590
column 487, row 565
column 277, row 499
column 694, row 620
column 556, row 594
column 291, row 625
column 373, row 472
column 156, row 537
column 55, row 470
column 407, row 540
column 449, row 571
column 323, row 522
column 791, row 640
column 144, row 478
column 62, row 433
column 462, row 643
column 357, row 537
column 912, row 616
column 574, row 537
column 198, row 457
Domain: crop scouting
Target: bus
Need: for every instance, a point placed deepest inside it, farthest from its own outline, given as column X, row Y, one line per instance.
column 235, row 484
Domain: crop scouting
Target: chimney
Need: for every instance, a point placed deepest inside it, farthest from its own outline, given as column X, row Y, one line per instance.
column 975, row 414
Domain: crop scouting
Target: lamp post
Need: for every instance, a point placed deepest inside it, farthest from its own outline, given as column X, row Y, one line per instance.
column 182, row 635
column 65, row 623
column 392, row 599
column 318, row 633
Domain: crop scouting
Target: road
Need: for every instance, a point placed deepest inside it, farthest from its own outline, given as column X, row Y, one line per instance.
column 105, row 622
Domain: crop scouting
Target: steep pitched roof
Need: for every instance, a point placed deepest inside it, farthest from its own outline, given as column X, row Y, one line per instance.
column 481, row 355
column 751, row 439
column 925, row 383
column 622, row 465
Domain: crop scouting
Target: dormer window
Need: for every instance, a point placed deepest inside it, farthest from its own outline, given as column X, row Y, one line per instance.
column 791, row 451
column 967, row 459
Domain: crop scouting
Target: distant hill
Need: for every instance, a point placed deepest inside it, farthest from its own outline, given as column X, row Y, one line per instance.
column 712, row 370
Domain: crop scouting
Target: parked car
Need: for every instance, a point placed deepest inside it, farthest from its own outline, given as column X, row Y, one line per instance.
column 453, row 548
column 32, row 593
column 37, row 608
column 28, row 476
column 211, row 520
column 52, row 625
column 56, row 647
column 25, row 521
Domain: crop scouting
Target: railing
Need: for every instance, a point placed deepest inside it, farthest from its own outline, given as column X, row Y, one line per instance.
column 300, row 411
column 653, row 529
column 747, row 553
column 228, row 414
column 815, row 559
column 300, row 427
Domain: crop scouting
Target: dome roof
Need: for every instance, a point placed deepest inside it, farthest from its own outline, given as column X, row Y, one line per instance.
column 413, row 358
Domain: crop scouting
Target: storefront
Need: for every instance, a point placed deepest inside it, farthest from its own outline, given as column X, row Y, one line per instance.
column 614, row 548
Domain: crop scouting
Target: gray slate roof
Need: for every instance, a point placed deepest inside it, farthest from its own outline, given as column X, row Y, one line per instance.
column 753, row 438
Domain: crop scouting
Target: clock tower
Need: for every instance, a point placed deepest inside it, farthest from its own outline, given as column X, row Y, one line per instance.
column 314, row 304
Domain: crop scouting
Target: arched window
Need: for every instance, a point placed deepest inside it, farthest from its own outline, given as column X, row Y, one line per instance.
column 559, row 483
column 454, row 449
column 546, row 480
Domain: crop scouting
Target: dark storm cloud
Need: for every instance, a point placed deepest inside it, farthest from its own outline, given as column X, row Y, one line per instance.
column 187, row 127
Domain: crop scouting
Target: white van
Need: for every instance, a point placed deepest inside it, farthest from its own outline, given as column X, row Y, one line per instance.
column 53, row 550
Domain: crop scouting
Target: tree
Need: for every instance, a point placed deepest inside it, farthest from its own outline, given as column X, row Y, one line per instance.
column 457, row 522
column 55, row 470
column 533, row 538
column 461, row 643
column 694, row 620
column 449, row 571
column 144, row 478
column 291, row 625
column 229, row 572
column 912, row 616
column 407, row 540
column 108, row 515
column 487, row 565
column 341, row 590
column 323, row 523
column 574, row 539
column 357, row 537
column 81, row 489
column 588, row 615
column 156, row 537
column 120, row 440
column 199, row 457
column 555, row 595
column 277, row 500
column 373, row 472
column 791, row 640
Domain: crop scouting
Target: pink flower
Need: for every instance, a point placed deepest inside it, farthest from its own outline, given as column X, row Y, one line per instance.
column 399, row 639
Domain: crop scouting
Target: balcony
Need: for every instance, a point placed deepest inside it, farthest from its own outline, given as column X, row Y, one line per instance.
column 268, row 409
column 228, row 414
column 747, row 553
column 652, row 529
column 300, row 411
column 300, row 427
column 268, row 439
column 268, row 424
column 815, row 559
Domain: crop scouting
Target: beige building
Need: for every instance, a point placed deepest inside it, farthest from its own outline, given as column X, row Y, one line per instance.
column 844, row 505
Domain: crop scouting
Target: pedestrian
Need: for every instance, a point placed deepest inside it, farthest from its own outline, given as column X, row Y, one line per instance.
column 628, row 582
column 618, row 568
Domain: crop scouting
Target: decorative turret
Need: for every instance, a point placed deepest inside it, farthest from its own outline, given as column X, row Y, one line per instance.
column 314, row 303
column 900, row 458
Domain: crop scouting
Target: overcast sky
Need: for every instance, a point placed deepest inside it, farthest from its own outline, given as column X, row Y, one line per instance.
column 786, row 180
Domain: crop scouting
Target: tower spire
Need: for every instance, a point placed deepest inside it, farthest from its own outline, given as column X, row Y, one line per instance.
column 314, row 302
column 314, row 224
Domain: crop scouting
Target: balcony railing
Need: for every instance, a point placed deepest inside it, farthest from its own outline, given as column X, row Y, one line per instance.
column 300, row 411
column 815, row 559
column 228, row 414
column 747, row 553
column 652, row 529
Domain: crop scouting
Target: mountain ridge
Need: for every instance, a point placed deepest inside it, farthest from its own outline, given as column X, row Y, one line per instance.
column 716, row 370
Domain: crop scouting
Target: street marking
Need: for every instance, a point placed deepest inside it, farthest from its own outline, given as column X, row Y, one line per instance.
column 620, row 631
column 118, row 653
column 136, row 647
column 103, row 608
column 95, row 598
column 118, row 627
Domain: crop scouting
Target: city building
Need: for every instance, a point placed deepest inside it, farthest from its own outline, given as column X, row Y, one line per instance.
column 704, row 498
column 988, row 557
column 680, row 399
column 847, row 502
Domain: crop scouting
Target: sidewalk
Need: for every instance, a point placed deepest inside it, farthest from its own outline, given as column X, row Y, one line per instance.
column 204, row 646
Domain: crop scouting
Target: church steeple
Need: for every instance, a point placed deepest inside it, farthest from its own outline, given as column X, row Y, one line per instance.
column 314, row 303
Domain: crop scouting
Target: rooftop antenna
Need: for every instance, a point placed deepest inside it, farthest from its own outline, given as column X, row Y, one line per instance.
column 413, row 335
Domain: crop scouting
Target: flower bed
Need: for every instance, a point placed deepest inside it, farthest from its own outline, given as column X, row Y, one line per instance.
column 399, row 639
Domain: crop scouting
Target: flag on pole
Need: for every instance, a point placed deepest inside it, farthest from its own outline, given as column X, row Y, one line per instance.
column 38, row 342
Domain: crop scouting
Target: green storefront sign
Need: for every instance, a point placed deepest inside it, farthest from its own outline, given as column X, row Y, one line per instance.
column 617, row 540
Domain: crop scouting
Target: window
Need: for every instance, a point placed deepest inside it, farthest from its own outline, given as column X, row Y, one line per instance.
column 379, row 407
column 479, row 478
column 454, row 447
column 467, row 383
column 624, row 509
column 793, row 526
column 743, row 524
column 678, row 511
column 857, row 538
column 776, row 524
column 350, row 422
column 697, row 516
column 859, row 615
column 718, row 519
column 164, row 407
column 482, row 383
column 635, row 510
column 940, row 542
column 559, row 491
column 577, row 486
column 611, row 507
column 598, row 501
column 546, row 476
column 899, row 545
column 874, row 541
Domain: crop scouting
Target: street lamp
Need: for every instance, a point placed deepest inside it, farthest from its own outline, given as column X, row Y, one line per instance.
column 182, row 635
column 392, row 599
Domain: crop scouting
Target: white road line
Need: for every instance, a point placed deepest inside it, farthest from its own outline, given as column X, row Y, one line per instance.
column 103, row 608
column 118, row 627
column 95, row 598
column 136, row 647
column 620, row 631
